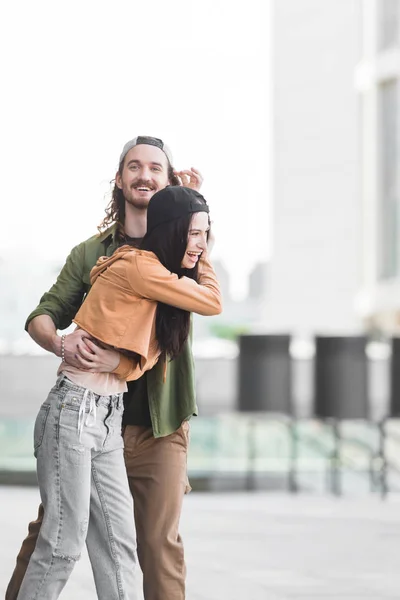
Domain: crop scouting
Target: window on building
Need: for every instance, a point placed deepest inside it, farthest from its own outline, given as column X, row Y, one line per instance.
column 389, row 23
column 389, row 156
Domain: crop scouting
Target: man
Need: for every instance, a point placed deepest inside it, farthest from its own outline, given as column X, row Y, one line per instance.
column 156, row 412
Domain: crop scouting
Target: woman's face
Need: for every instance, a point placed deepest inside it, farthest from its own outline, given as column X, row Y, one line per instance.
column 197, row 239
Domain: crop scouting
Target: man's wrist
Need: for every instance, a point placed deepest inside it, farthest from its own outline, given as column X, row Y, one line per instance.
column 56, row 345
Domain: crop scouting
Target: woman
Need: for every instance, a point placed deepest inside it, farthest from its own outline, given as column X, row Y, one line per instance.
column 139, row 303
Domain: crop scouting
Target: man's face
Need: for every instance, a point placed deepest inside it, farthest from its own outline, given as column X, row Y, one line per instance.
column 145, row 172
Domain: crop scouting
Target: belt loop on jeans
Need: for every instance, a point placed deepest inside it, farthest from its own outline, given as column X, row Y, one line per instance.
column 60, row 379
column 117, row 398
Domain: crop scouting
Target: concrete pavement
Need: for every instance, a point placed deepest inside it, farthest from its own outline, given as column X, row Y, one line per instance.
column 258, row 547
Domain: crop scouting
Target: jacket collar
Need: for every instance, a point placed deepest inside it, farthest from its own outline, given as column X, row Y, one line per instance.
column 109, row 232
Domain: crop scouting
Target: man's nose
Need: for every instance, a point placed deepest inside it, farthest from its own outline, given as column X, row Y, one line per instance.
column 145, row 173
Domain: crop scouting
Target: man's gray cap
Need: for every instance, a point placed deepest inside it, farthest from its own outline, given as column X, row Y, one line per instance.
column 145, row 139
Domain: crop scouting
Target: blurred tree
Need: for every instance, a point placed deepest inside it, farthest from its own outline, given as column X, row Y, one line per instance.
column 228, row 331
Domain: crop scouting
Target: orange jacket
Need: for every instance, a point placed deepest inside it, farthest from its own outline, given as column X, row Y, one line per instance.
column 120, row 309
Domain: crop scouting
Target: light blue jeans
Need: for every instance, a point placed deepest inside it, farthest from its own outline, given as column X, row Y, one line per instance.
column 85, row 494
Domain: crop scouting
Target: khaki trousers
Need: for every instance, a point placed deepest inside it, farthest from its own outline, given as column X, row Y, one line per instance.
column 157, row 474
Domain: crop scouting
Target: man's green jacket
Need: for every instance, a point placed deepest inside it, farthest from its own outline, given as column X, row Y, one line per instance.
column 170, row 402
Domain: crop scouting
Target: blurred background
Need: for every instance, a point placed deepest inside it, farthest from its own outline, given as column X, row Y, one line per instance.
column 290, row 109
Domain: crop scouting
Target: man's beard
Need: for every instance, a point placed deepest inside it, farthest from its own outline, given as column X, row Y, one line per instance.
column 137, row 201
column 140, row 203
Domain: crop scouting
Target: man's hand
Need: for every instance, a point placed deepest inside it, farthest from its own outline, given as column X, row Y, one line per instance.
column 80, row 351
column 93, row 358
column 191, row 178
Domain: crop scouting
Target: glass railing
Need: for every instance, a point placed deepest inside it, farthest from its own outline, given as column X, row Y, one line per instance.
column 258, row 451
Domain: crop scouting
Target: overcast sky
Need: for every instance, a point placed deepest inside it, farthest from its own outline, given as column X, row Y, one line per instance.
column 80, row 78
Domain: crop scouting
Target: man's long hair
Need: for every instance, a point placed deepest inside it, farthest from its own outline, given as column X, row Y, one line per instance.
column 115, row 210
column 169, row 241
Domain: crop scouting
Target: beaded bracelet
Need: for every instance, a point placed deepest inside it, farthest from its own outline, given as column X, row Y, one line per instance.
column 63, row 348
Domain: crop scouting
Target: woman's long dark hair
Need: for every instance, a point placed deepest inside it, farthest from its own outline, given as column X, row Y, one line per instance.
column 168, row 241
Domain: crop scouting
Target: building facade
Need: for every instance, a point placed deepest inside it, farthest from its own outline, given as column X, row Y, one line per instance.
column 316, row 266
column 377, row 81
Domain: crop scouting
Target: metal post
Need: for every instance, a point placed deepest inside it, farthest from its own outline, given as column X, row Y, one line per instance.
column 382, row 459
column 336, row 487
column 292, row 474
column 251, row 455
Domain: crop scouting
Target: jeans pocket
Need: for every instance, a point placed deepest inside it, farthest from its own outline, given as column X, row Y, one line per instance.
column 40, row 426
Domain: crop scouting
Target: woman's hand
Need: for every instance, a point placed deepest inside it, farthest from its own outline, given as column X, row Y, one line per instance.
column 191, row 178
column 80, row 351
